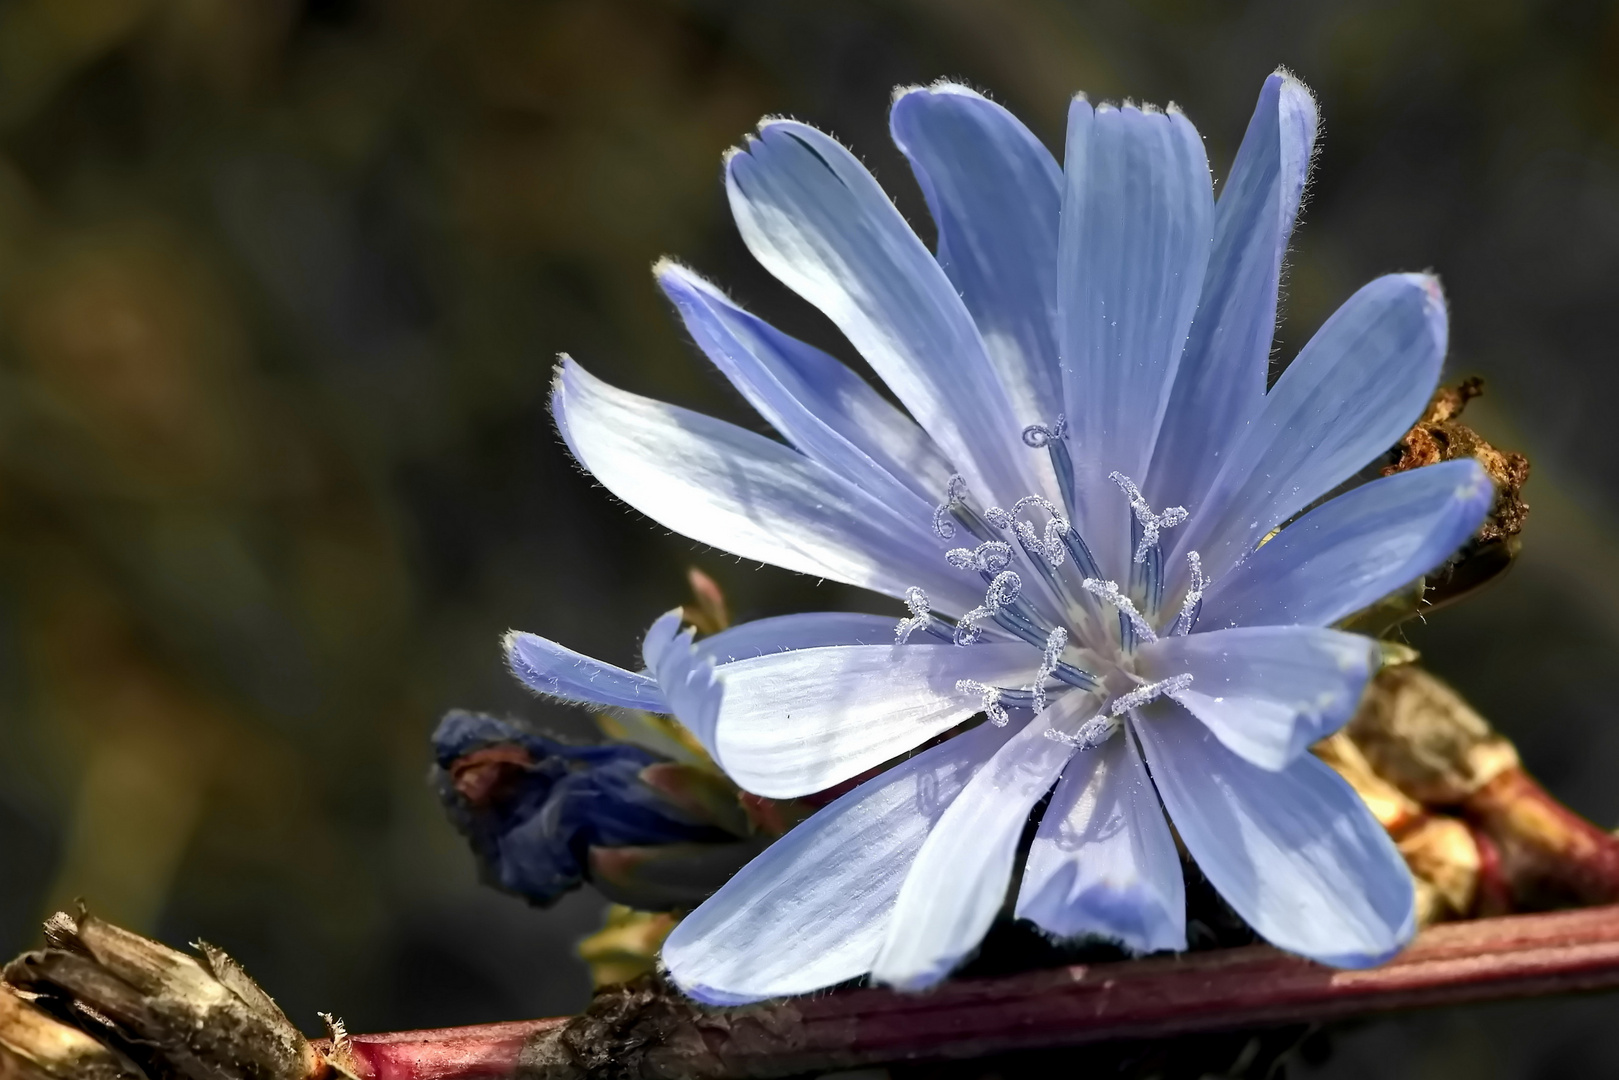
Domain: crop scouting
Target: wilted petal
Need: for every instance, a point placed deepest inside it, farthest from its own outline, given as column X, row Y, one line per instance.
column 745, row 494
column 1351, row 552
column 818, row 404
column 1295, row 853
column 812, row 910
column 557, row 671
column 1267, row 692
column 1352, row 392
column 1137, row 222
column 815, row 218
column 1220, row 384
column 1103, row 862
column 995, row 193
column 798, row 722
column 959, row 879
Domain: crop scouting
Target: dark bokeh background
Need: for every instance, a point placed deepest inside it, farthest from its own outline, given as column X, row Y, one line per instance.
column 280, row 287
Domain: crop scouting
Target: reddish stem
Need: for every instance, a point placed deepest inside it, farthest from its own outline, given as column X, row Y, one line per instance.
column 1550, row 854
column 1228, row 989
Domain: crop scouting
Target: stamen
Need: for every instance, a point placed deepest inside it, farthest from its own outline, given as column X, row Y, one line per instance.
column 1128, row 615
column 1056, row 641
column 1151, row 524
column 1101, row 727
column 1001, row 593
column 954, row 492
column 921, row 615
column 1038, row 436
column 990, row 557
column 1141, row 695
column 1091, row 734
column 1055, row 441
column 990, row 699
column 1193, row 604
column 1049, row 547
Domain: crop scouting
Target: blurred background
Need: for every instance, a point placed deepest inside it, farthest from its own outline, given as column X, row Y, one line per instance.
column 281, row 285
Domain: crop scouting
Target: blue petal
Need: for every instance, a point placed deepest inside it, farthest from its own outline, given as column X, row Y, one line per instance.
column 812, row 910
column 995, row 193
column 747, row 494
column 687, row 672
column 1220, row 385
column 556, row 671
column 793, row 723
column 1103, row 862
column 812, row 214
column 1351, row 552
column 1295, row 853
column 1353, row 391
column 1267, row 692
column 805, row 630
column 1137, row 222
column 958, row 882
column 818, row 404
column 685, row 675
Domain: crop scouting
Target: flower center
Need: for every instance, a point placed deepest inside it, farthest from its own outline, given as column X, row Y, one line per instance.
column 1086, row 627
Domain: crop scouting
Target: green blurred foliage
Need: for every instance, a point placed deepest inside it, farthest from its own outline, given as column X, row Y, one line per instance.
column 280, row 288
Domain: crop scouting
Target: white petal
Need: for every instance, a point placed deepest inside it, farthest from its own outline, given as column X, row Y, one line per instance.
column 1103, row 861
column 812, row 910
column 798, row 722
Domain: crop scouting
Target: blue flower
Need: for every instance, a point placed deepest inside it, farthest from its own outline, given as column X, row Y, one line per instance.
column 1079, row 505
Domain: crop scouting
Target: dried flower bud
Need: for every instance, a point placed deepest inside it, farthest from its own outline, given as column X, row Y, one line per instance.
column 36, row 1046
column 1420, row 735
column 543, row 816
column 156, row 1010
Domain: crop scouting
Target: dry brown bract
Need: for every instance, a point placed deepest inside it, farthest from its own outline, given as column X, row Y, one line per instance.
column 1439, row 436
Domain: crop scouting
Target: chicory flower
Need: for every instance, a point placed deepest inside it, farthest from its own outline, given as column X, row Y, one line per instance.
column 1079, row 505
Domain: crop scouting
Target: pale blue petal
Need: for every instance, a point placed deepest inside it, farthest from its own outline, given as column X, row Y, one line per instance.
column 995, row 192
column 1353, row 391
column 793, row 723
column 815, row 218
column 1220, row 385
column 1103, row 862
column 685, row 675
column 747, row 494
column 1295, row 853
column 818, row 404
column 687, row 672
column 812, row 910
column 1137, row 223
column 805, row 630
column 556, row 671
column 1267, row 692
column 1354, row 550
column 959, row 880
